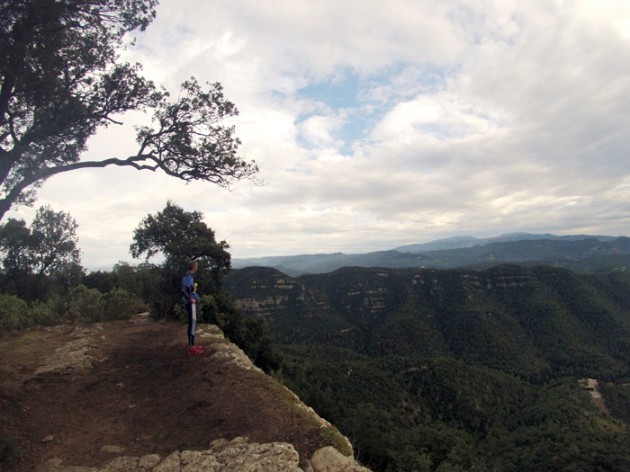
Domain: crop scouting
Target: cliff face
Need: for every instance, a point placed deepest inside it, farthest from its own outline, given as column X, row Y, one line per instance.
column 268, row 292
column 522, row 319
column 125, row 396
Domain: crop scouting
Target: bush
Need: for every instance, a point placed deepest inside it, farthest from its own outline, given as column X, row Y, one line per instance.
column 118, row 304
column 179, row 312
column 45, row 313
column 13, row 313
column 85, row 304
column 81, row 305
column 209, row 309
column 89, row 304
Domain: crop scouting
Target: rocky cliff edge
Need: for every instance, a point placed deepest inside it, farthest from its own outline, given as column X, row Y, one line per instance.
column 125, row 397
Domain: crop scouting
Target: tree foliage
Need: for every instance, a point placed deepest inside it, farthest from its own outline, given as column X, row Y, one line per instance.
column 457, row 370
column 61, row 79
column 15, row 242
column 180, row 236
column 54, row 241
column 36, row 258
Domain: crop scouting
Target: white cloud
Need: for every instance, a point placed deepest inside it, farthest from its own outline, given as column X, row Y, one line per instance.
column 471, row 116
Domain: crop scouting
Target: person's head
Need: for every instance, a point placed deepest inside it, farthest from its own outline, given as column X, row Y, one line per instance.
column 192, row 267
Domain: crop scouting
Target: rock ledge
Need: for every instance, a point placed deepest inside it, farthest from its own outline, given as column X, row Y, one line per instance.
column 237, row 455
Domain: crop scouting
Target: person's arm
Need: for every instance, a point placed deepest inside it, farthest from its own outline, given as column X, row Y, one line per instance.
column 187, row 287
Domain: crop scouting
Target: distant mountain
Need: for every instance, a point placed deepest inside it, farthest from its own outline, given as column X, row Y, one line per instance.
column 322, row 263
column 455, row 242
column 579, row 252
column 470, row 241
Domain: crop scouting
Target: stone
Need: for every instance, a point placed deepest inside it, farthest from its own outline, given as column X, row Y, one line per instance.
column 187, row 457
column 113, row 449
column 149, row 461
column 245, row 457
column 238, row 455
column 48, row 438
column 122, row 464
column 171, row 464
column 54, row 464
column 329, row 459
column 73, row 356
column 239, row 440
column 232, row 354
column 204, row 463
column 211, row 332
column 218, row 443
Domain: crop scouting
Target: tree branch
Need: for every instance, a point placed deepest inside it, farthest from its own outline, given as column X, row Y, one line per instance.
column 43, row 174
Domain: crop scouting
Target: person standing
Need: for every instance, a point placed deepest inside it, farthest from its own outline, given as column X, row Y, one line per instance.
column 191, row 302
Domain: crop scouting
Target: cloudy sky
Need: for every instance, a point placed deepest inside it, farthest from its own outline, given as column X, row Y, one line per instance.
column 381, row 123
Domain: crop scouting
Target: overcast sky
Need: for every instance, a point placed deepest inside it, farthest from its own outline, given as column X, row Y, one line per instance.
column 381, row 123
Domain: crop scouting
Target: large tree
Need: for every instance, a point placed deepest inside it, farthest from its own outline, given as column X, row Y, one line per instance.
column 180, row 236
column 15, row 247
column 54, row 241
column 61, row 79
column 45, row 248
column 45, row 253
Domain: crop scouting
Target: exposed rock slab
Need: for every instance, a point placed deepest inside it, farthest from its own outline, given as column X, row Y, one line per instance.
column 329, row 459
column 237, row 455
column 72, row 356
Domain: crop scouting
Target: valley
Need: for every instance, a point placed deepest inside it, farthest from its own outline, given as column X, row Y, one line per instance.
column 427, row 369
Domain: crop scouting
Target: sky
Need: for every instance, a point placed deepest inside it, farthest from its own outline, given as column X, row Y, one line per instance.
column 381, row 123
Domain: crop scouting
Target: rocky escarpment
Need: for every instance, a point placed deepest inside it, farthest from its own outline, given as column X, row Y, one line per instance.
column 527, row 319
column 124, row 396
column 361, row 292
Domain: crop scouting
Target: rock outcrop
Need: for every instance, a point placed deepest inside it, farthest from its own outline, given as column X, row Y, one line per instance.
column 74, row 356
column 238, row 455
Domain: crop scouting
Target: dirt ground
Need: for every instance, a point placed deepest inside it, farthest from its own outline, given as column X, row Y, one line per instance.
column 144, row 393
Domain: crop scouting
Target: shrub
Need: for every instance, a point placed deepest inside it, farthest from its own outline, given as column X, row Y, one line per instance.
column 85, row 304
column 118, row 304
column 209, row 309
column 179, row 312
column 13, row 313
column 45, row 313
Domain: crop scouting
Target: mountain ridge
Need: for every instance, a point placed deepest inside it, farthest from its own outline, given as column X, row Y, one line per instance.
column 458, row 242
column 578, row 252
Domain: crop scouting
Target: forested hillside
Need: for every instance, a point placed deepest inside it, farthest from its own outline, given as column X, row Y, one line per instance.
column 458, row 369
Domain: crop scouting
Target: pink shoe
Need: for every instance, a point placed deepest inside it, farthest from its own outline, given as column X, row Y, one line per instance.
column 197, row 350
column 193, row 351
